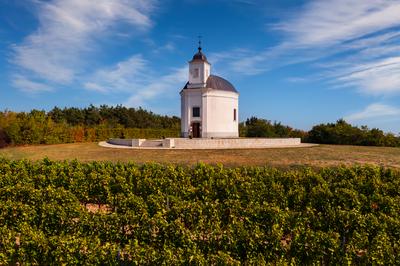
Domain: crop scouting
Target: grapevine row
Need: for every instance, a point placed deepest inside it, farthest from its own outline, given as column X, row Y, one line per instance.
column 126, row 214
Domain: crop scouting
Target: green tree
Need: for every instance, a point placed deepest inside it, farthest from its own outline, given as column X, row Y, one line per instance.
column 261, row 128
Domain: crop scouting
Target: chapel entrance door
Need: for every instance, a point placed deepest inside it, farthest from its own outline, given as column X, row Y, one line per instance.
column 196, row 129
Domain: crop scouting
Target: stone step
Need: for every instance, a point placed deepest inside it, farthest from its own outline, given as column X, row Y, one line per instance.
column 151, row 143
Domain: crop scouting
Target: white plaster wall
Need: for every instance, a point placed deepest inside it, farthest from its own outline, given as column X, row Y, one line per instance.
column 204, row 72
column 218, row 114
column 184, row 115
column 190, row 98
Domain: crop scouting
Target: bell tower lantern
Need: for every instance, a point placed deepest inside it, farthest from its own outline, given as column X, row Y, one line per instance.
column 199, row 70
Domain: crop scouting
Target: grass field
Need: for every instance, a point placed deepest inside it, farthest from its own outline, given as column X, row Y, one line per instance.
column 319, row 156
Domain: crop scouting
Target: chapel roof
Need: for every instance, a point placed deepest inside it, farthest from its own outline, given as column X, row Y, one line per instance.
column 216, row 83
column 199, row 55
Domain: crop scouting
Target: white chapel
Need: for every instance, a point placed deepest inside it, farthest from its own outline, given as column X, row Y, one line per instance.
column 209, row 104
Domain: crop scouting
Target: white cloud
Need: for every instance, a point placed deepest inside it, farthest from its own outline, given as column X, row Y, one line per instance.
column 372, row 41
column 225, row 62
column 332, row 22
column 30, row 86
column 134, row 78
column 164, row 86
column 378, row 77
column 57, row 51
column 353, row 44
column 168, row 47
column 297, row 79
column 376, row 110
column 128, row 75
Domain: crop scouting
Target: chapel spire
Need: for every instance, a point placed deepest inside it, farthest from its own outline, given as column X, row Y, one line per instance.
column 199, row 44
column 199, row 55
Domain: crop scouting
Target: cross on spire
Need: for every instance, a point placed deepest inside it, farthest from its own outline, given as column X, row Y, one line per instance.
column 199, row 42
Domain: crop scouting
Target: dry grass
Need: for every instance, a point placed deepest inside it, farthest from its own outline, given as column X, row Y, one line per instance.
column 319, row 156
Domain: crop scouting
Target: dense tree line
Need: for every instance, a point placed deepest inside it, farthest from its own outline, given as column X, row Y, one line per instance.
column 83, row 125
column 99, row 213
column 118, row 115
column 340, row 132
column 99, row 123
column 344, row 133
column 261, row 128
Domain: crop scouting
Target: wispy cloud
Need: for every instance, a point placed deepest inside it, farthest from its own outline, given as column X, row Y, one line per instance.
column 128, row 75
column 27, row 85
column 296, row 79
column 351, row 43
column 378, row 77
column 376, row 110
column 164, row 86
column 66, row 35
column 224, row 61
column 135, row 79
column 333, row 22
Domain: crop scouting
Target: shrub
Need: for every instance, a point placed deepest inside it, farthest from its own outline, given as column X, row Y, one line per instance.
column 4, row 139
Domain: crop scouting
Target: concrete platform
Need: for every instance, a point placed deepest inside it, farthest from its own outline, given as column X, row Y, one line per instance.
column 205, row 143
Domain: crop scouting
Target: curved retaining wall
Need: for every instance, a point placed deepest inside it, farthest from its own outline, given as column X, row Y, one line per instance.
column 126, row 142
column 203, row 143
column 235, row 143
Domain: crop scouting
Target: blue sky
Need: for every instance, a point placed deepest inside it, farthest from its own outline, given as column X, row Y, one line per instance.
column 298, row 62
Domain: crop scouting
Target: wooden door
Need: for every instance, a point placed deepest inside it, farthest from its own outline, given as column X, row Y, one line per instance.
column 196, row 130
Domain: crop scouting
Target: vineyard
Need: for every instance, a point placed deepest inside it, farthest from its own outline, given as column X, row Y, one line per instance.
column 124, row 214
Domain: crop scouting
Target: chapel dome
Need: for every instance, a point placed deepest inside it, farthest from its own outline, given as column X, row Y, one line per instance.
column 221, row 84
column 216, row 83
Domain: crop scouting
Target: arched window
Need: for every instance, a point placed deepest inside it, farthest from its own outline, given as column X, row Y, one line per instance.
column 196, row 73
